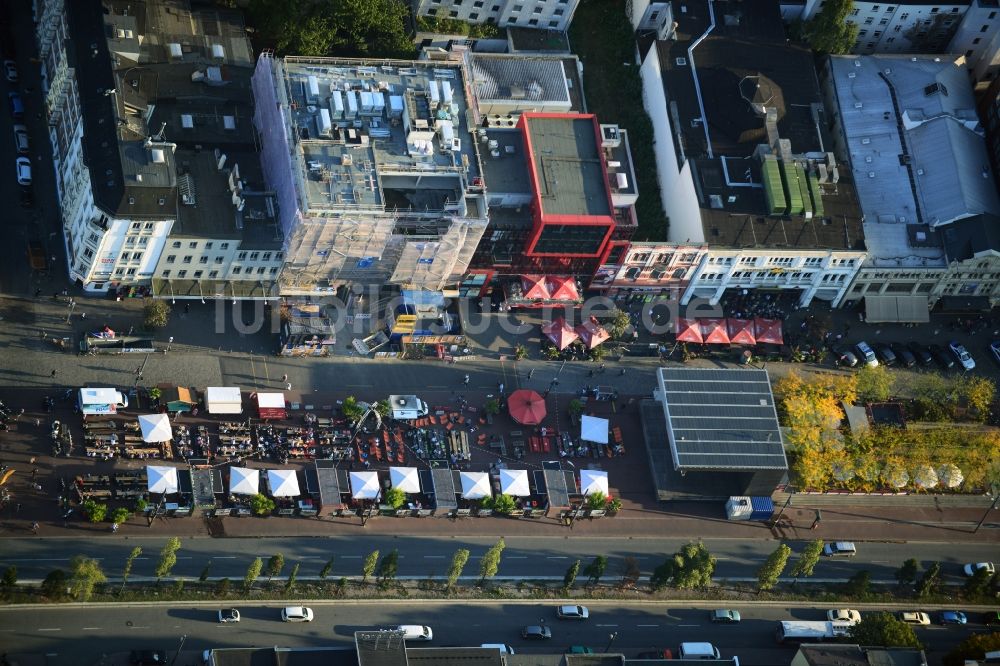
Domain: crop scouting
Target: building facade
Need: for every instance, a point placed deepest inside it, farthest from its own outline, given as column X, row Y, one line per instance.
column 541, row 14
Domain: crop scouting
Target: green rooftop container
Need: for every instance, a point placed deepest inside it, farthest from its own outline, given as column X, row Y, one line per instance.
column 792, row 191
column 800, row 176
column 816, row 194
column 773, row 189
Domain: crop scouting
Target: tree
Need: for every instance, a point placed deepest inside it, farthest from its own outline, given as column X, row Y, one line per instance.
column 222, row 587
column 252, row 574
column 155, row 313
column 492, row 406
column 129, row 561
column 9, row 577
column 54, row 584
column 95, row 511
column 389, row 566
column 274, row 566
column 382, row 408
column 808, row 560
column 368, row 567
column 490, row 563
column 458, row 561
column 858, row 587
column 571, row 573
column 168, row 558
column 973, row 648
column 883, row 630
column 520, row 352
column 84, row 574
column 120, row 515
column 575, row 408
column 597, row 501
column 830, row 32
column 619, row 323
column 292, row 576
column 693, row 566
column 630, row 572
column 504, row 504
column 662, row 575
column 774, row 565
column 874, row 383
column 930, row 581
column 261, row 505
column 327, row 568
column 907, row 574
column 977, row 584
column 351, row 410
column 395, row 497
column 596, row 569
column 977, row 393
column 203, row 576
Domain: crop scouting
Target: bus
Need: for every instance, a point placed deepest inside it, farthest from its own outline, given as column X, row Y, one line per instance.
column 795, row 631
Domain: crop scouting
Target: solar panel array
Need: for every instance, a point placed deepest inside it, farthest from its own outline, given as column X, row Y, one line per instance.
column 721, row 419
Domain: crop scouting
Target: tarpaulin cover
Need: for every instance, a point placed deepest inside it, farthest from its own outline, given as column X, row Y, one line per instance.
column 161, row 479
column 714, row 331
column 155, row 428
column 592, row 333
column 223, row 400
column 560, row 333
column 768, row 331
column 475, row 485
column 271, row 405
column 364, row 485
column 562, row 288
column 405, row 478
column 244, row 481
column 594, row 429
column 533, row 286
column 593, row 481
column 741, row 331
column 526, row 407
column 514, row 482
column 283, row 482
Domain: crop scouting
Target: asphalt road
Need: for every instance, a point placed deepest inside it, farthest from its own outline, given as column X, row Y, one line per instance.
column 421, row 557
column 69, row 635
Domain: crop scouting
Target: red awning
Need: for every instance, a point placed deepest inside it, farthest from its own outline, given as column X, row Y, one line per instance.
column 714, row 331
column 768, row 331
column 270, row 405
column 741, row 331
column 562, row 288
column 592, row 333
column 560, row 333
column 533, row 286
column 526, row 407
column 689, row 330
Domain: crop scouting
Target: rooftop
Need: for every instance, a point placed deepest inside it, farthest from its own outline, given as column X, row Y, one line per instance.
column 854, row 655
column 519, row 78
column 567, row 166
column 972, row 237
column 505, row 166
column 721, row 419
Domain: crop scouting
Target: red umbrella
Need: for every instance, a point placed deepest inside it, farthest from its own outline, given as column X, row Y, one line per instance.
column 592, row 333
column 714, row 331
column 526, row 407
column 741, row 331
column 562, row 288
column 688, row 330
column 560, row 333
column 533, row 286
column 768, row 331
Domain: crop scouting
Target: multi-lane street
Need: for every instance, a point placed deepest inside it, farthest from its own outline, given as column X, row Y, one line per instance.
column 81, row 635
column 420, row 557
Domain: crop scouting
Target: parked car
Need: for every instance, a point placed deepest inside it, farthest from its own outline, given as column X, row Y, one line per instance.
column 885, row 354
column 971, row 568
column 962, row 354
column 941, row 356
column 10, row 70
column 27, row 197
column 416, row 632
column 995, row 350
column 147, row 657
column 23, row 171
column 923, row 356
column 21, row 142
column 666, row 653
column 503, row 647
column 991, row 618
column 843, row 615
column 229, row 615
column 845, row 356
column 16, row 105
column 37, row 258
column 905, row 356
column 865, row 354
column 725, row 616
column 296, row 614
column 952, row 617
column 535, row 632
column 840, row 549
column 914, row 617
column 579, row 649
column 572, row 612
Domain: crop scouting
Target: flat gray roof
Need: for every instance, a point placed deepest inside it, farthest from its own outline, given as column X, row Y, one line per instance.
column 505, row 168
column 568, row 165
column 721, row 419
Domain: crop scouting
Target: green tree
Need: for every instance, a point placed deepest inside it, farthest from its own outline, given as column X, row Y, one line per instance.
column 274, row 566
column 9, row 577
column 222, row 587
column 973, row 648
column 368, row 567
column 618, row 324
column 977, row 393
column 504, row 504
column 85, row 574
column 571, row 573
column 327, row 568
column 662, row 575
column 858, row 587
column 382, row 408
column 874, row 383
column 907, row 574
column 120, row 515
column 292, row 577
column 808, row 560
column 351, row 410
column 168, row 558
column 977, row 584
column 490, row 563
column 883, row 630
column 930, row 581
column 575, row 408
column 693, row 566
column 155, row 313
column 596, row 569
column 830, row 32
column 492, row 406
column 129, row 561
column 389, row 566
column 774, row 565
column 261, row 505
column 630, row 572
column 458, row 562
column 95, row 511
column 54, row 584
column 395, row 498
column 253, row 573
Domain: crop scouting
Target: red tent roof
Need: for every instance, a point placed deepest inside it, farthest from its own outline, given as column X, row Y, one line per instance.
column 526, row 407
column 688, row 330
column 560, row 333
column 768, row 331
column 533, row 286
column 714, row 331
column 592, row 333
column 562, row 288
column 741, row 331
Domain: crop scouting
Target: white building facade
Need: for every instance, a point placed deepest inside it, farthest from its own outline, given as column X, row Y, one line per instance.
column 541, row 14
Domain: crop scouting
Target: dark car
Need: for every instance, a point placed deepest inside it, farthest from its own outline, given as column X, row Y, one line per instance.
column 905, row 356
column 942, row 356
column 655, row 654
column 920, row 352
column 27, row 197
column 845, row 356
column 885, row 354
column 991, row 618
column 148, row 657
column 536, row 633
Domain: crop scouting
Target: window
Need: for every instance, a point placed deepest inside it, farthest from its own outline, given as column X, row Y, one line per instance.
column 890, row 40
column 241, row 256
column 274, row 271
column 536, row 10
column 213, row 274
column 517, row 8
column 208, row 245
column 474, row 16
column 182, row 274
column 984, row 28
column 88, row 253
column 119, row 271
column 862, row 33
column 559, row 12
column 875, row 8
column 855, row 12
column 453, row 13
column 130, row 240
column 224, row 246
column 869, row 20
column 165, row 274
column 130, row 271
column 219, row 260
column 193, row 244
column 934, row 10
column 260, row 271
column 237, row 270
column 878, row 33
column 266, row 257
column 968, row 54
column 814, row 261
column 187, row 259
column 477, row 4
column 884, row 21
column 202, row 260
column 890, row 9
column 175, row 244
column 197, row 275
column 278, row 256
column 975, row 41
column 170, row 258
column 254, row 256
column 136, row 226
column 904, row 15
column 992, row 16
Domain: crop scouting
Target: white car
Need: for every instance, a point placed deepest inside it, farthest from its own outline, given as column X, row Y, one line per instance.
column 572, row 612
column 21, row 139
column 296, row 614
column 962, row 354
column 971, row 568
column 23, row 171
column 229, row 615
column 10, row 70
column 416, row 632
column 843, row 615
column 915, row 617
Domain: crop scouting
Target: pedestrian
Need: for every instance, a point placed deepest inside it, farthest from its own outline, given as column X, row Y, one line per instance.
column 591, row 373
column 38, row 292
column 34, row 473
column 38, row 423
column 18, row 509
column 501, row 388
column 114, row 527
column 288, row 386
column 42, row 334
column 531, row 373
column 34, row 527
column 65, row 292
column 32, row 461
column 284, row 379
column 83, row 315
column 603, row 367
column 53, row 374
column 623, row 372
column 467, row 380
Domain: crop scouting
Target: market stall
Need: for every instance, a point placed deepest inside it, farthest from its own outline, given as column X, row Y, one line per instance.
column 592, row 333
column 365, row 486
column 155, row 428
column 514, row 482
column 161, row 480
column 714, row 331
column 405, row 478
column 768, row 331
column 177, row 398
column 594, row 481
column 270, row 405
column 475, row 485
column 741, row 331
column 689, row 330
column 594, row 429
column 244, row 481
column 560, row 333
column 223, row 400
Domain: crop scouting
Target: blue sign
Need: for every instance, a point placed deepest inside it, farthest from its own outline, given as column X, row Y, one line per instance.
column 323, row 253
column 428, row 260
column 366, row 262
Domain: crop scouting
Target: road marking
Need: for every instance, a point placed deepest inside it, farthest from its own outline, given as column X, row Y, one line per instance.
column 233, row 557
column 91, row 628
column 647, row 625
column 516, row 557
column 880, row 561
column 55, row 629
column 688, row 625
column 556, row 557
column 36, row 559
column 434, row 557
column 607, row 625
column 134, row 627
column 350, row 557
column 51, row 654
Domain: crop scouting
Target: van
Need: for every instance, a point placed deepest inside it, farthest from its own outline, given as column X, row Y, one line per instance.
column 16, row 105
column 415, row 632
column 699, row 651
column 866, row 354
column 407, row 407
column 840, row 549
column 504, row 649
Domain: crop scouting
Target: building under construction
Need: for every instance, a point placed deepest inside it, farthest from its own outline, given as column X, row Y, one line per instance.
column 377, row 177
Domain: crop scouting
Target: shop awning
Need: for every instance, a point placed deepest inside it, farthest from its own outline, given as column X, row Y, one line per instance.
column 405, row 478
column 909, row 309
column 593, row 481
column 283, row 483
column 155, row 428
column 244, row 481
column 161, row 479
column 689, row 330
column 223, row 400
column 768, row 331
column 271, row 405
column 364, row 485
column 741, row 331
column 514, row 482
column 594, row 429
column 560, row 333
column 592, row 333
column 475, row 485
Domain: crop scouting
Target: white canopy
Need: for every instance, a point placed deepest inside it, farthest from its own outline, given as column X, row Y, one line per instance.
column 283, row 482
column 405, row 478
column 243, row 481
column 223, row 400
column 593, row 481
column 594, row 429
column 475, row 485
column 364, row 485
column 161, row 479
column 155, row 428
column 514, row 482
column 951, row 476
column 274, row 400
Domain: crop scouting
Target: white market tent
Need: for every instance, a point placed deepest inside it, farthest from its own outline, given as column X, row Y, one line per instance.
column 594, row 429
column 364, row 485
column 283, row 483
column 155, row 428
column 161, row 479
column 405, row 478
column 514, row 482
column 593, row 481
column 475, row 485
column 223, row 400
column 244, row 481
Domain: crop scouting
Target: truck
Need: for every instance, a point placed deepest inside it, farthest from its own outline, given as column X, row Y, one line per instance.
column 407, row 407
column 101, row 401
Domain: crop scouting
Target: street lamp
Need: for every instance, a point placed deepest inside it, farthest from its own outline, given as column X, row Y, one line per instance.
column 996, row 498
column 611, row 639
column 179, row 648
